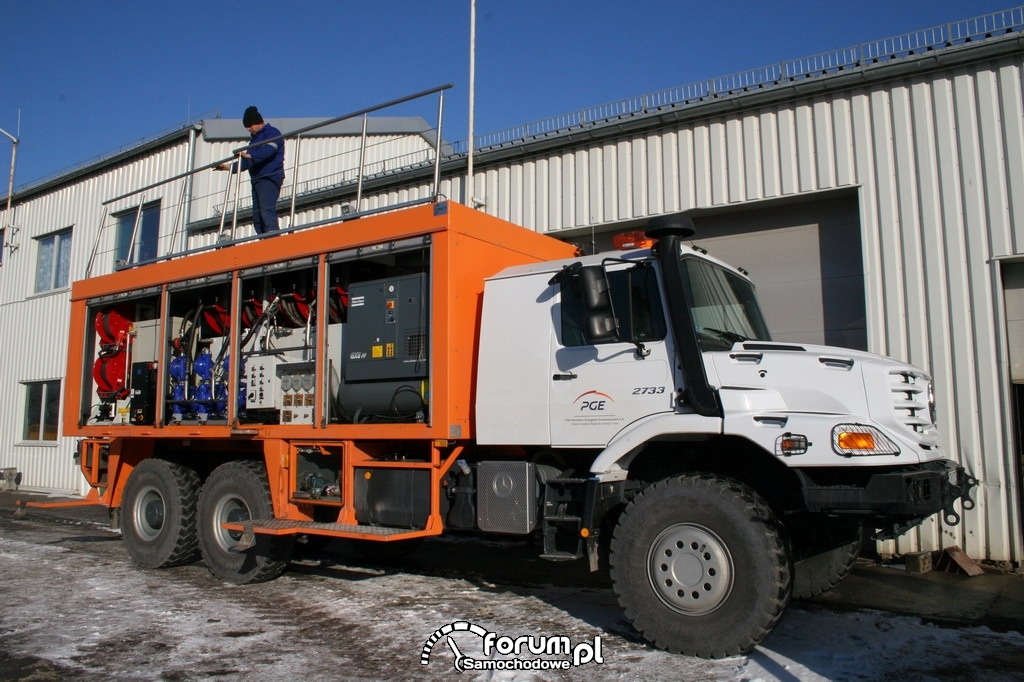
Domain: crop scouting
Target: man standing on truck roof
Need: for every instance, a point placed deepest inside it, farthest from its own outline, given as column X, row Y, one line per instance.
column 265, row 163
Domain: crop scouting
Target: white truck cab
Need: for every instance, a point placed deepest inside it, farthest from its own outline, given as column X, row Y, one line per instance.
column 650, row 380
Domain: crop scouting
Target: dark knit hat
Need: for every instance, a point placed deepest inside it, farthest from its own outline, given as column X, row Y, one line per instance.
column 251, row 117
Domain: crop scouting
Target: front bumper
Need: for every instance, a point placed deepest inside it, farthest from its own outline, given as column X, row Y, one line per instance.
column 897, row 499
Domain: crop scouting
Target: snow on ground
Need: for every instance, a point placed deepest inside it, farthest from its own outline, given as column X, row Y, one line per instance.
column 73, row 606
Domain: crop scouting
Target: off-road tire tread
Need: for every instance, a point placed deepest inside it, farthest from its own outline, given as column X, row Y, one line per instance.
column 186, row 551
column 819, row 574
column 186, row 484
column 753, row 505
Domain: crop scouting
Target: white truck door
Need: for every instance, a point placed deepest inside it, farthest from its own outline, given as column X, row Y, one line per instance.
column 599, row 388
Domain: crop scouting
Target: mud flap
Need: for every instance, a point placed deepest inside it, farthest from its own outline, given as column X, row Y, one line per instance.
column 246, row 542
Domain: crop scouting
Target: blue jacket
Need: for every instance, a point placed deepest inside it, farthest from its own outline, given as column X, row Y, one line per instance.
column 267, row 159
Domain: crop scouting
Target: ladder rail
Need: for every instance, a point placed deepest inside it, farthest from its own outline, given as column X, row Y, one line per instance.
column 96, row 243
column 132, row 256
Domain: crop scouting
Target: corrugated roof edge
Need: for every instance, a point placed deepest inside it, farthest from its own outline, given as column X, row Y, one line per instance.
column 87, row 167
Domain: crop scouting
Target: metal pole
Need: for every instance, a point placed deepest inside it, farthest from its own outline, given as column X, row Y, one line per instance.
column 362, row 160
column 10, row 181
column 224, row 208
column 187, row 196
column 295, row 180
column 96, row 245
column 437, row 144
column 238, row 197
column 472, row 102
column 131, row 256
column 178, row 213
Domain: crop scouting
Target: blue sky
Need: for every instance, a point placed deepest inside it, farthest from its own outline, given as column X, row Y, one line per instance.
column 90, row 77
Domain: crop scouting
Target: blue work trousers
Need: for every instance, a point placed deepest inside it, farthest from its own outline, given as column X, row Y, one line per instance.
column 265, row 192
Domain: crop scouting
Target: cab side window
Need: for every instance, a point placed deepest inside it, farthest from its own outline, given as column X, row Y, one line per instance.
column 636, row 301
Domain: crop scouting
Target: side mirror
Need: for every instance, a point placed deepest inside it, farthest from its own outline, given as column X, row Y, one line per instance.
column 602, row 326
column 594, row 289
column 601, row 322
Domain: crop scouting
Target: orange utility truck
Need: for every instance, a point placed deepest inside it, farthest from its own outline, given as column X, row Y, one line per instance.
column 403, row 374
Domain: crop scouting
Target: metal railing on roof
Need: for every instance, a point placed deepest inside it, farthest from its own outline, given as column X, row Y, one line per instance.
column 823, row 64
column 139, row 248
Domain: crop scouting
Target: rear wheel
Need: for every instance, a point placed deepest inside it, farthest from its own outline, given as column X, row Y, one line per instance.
column 699, row 566
column 238, row 491
column 158, row 510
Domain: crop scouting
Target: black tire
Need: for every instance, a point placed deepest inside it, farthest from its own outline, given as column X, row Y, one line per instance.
column 158, row 512
column 238, row 491
column 699, row 565
column 817, row 574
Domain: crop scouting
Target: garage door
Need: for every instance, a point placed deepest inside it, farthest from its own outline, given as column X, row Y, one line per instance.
column 806, row 262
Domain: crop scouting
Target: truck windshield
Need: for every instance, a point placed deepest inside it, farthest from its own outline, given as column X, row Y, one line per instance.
column 725, row 309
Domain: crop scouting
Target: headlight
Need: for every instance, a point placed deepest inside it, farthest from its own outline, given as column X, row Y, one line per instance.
column 852, row 440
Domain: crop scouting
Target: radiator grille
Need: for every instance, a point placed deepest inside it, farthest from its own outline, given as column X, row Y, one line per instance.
column 912, row 399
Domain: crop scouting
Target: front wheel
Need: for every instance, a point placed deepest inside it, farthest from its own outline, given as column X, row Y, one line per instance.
column 238, row 491
column 700, row 567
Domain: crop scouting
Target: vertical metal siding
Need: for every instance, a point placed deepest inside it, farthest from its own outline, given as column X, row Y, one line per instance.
column 935, row 159
column 35, row 326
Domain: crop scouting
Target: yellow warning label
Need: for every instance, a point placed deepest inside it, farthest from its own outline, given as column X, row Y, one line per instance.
column 377, row 351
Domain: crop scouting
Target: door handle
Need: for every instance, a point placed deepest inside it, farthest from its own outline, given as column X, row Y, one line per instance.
column 564, row 376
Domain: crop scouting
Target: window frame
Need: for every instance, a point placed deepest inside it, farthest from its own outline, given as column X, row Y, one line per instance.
column 43, row 417
column 58, row 279
column 747, row 319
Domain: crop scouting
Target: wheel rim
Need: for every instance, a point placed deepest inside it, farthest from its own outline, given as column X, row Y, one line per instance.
column 148, row 513
column 229, row 509
column 690, row 569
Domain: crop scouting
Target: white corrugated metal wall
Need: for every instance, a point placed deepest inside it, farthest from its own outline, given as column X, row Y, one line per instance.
column 936, row 160
column 35, row 326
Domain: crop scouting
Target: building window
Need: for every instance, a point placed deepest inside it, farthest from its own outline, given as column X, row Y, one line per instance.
column 42, row 410
column 53, row 265
column 146, row 239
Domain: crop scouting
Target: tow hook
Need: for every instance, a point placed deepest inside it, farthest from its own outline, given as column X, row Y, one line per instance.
column 961, row 490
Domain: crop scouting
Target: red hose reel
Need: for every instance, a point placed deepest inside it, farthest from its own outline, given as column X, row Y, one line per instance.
column 110, row 371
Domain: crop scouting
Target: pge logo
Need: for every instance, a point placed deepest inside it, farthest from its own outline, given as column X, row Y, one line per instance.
column 593, row 401
column 570, row 654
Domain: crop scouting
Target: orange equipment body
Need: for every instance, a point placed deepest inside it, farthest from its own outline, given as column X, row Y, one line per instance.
column 460, row 247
